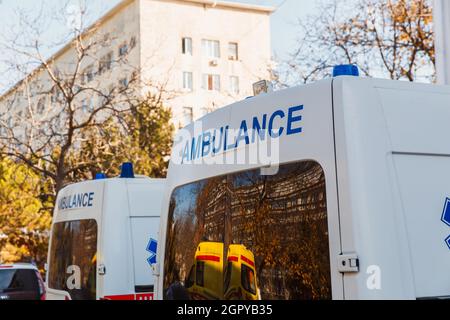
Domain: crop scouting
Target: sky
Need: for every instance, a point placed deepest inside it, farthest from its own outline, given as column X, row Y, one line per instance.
column 284, row 22
column 284, row 30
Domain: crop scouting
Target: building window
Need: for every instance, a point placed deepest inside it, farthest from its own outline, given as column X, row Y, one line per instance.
column 84, row 106
column 233, row 51
column 55, row 94
column 106, row 38
column 105, row 63
column 89, row 73
column 110, row 90
column 134, row 75
column 76, row 89
column 133, row 42
column 123, row 50
column 123, row 83
column 87, row 105
column 234, row 85
column 188, row 81
column 57, row 74
column 211, row 82
column 186, row 44
column 40, row 106
column 211, row 48
column 91, row 105
column 109, row 60
column 188, row 115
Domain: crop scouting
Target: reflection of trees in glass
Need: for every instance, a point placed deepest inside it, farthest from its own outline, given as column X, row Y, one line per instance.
column 282, row 219
column 171, row 274
column 198, row 218
column 74, row 243
column 179, row 239
column 211, row 210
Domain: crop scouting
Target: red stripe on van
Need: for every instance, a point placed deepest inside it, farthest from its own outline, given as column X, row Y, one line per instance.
column 129, row 297
column 126, row 297
column 233, row 258
column 209, row 258
column 250, row 262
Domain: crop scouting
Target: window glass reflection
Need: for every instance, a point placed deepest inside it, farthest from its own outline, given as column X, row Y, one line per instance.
column 247, row 236
column 73, row 258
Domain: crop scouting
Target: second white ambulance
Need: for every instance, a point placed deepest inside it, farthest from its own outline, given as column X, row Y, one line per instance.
column 103, row 239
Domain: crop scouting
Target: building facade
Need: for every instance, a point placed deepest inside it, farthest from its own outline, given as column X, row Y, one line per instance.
column 204, row 54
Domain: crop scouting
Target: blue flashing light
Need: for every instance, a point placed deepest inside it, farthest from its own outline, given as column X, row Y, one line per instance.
column 346, row 70
column 100, row 176
column 127, row 170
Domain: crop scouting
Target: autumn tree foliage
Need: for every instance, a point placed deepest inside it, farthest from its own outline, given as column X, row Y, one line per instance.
column 386, row 38
column 143, row 137
column 27, row 196
column 25, row 217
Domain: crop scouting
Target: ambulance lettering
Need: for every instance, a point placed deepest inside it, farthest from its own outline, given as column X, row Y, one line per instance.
column 279, row 123
column 76, row 201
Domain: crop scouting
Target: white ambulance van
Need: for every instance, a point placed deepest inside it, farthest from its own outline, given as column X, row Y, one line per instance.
column 104, row 237
column 351, row 202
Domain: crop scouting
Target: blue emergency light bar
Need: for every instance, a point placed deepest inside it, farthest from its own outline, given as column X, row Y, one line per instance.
column 127, row 171
column 100, row 176
column 346, row 70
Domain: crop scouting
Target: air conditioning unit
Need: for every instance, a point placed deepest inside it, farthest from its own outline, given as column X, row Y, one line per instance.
column 214, row 63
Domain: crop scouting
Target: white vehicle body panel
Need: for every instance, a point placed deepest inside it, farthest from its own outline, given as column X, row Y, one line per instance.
column 390, row 140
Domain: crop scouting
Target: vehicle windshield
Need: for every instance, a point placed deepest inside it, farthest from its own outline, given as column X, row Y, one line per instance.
column 248, row 279
column 12, row 280
column 73, row 259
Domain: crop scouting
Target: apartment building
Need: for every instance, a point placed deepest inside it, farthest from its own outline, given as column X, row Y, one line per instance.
column 205, row 54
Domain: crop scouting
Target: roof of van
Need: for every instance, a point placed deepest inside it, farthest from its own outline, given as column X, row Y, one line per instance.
column 16, row 266
column 116, row 179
